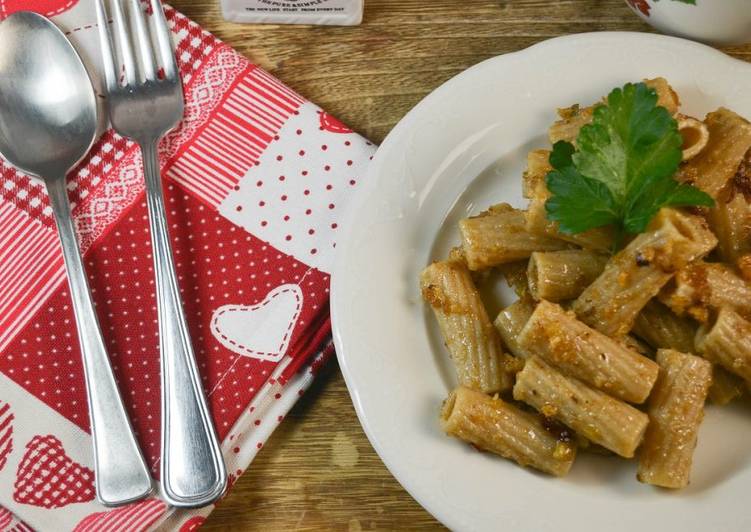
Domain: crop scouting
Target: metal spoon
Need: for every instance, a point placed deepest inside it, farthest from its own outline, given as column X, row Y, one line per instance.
column 47, row 124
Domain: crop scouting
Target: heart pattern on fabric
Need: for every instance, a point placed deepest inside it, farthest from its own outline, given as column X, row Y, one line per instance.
column 47, row 477
column 6, row 433
column 137, row 516
column 263, row 330
column 48, row 8
column 330, row 123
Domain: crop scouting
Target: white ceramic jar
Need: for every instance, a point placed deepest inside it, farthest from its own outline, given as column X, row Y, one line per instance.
column 713, row 21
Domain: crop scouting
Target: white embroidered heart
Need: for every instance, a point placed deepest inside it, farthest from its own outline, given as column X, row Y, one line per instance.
column 260, row 331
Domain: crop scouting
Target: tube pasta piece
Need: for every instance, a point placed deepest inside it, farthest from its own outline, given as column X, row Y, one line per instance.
column 561, row 275
column 538, row 166
column 499, row 427
column 581, row 352
column 700, row 287
column 717, row 163
column 725, row 386
column 573, row 118
column 511, row 321
column 676, row 409
column 660, row 328
column 598, row 239
column 595, row 415
column 635, row 344
column 727, row 342
column 695, row 135
column 666, row 96
column 744, row 267
column 456, row 254
column 635, row 275
column 515, row 274
column 742, row 178
column 730, row 221
column 499, row 235
column 471, row 339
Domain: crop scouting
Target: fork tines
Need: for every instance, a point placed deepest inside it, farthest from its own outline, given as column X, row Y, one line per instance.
column 139, row 61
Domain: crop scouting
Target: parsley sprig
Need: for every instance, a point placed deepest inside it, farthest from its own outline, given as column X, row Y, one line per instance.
column 621, row 172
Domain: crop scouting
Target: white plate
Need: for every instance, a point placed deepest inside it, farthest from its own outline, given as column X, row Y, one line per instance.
column 461, row 149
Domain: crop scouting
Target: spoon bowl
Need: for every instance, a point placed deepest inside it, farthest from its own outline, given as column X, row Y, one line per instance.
column 46, row 96
column 48, row 122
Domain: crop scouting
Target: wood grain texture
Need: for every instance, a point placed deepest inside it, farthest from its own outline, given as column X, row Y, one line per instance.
column 318, row 471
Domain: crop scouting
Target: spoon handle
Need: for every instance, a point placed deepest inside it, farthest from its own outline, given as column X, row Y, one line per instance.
column 121, row 473
column 193, row 471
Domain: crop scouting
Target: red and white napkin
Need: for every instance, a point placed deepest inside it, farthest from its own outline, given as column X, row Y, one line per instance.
column 257, row 181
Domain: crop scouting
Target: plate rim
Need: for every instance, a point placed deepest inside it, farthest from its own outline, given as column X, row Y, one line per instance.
column 345, row 242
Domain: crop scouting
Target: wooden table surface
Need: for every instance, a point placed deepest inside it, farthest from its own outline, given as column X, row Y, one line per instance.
column 318, row 471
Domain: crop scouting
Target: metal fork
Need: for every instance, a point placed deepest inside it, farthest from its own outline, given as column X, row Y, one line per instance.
column 145, row 108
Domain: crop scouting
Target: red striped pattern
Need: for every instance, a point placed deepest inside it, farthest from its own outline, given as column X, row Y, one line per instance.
column 6, row 518
column 6, row 434
column 240, row 129
column 11, row 523
column 31, row 266
column 131, row 518
column 20, row 526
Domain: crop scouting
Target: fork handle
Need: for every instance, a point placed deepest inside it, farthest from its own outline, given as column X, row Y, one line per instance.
column 193, row 471
column 121, row 472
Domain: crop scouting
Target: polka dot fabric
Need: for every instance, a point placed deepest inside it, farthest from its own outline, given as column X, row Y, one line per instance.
column 257, row 184
column 295, row 195
column 217, row 263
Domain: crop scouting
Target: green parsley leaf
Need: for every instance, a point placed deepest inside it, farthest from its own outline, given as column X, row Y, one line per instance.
column 667, row 193
column 577, row 202
column 622, row 172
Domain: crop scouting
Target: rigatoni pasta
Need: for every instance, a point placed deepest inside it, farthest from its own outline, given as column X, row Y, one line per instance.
column 731, row 217
column 498, row 236
column 633, row 288
column 469, row 335
column 494, row 425
column 661, row 328
column 725, row 386
column 560, row 275
column 727, row 341
column 595, row 415
column 676, row 409
column 638, row 272
column 538, row 167
column 510, row 322
column 515, row 274
column 730, row 221
column 573, row 118
column 743, row 264
column 715, row 166
column 634, row 343
column 702, row 286
column 579, row 351
column 666, row 96
column 695, row 136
